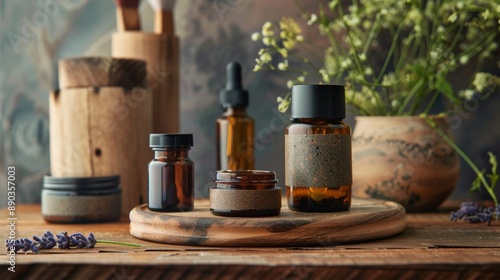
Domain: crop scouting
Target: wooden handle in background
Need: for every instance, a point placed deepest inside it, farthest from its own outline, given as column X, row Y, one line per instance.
column 127, row 19
column 161, row 52
column 164, row 22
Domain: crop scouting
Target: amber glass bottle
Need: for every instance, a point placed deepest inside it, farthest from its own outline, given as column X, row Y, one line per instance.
column 235, row 129
column 171, row 173
column 318, row 168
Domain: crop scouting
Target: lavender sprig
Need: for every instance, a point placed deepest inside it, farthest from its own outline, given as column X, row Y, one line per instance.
column 22, row 244
column 475, row 213
column 62, row 240
column 47, row 240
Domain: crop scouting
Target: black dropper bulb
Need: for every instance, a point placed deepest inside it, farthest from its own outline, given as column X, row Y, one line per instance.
column 233, row 95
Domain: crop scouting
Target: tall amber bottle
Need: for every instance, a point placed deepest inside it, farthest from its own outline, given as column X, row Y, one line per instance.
column 318, row 168
column 235, row 129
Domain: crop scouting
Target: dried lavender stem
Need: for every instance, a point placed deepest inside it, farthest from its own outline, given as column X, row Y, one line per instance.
column 63, row 241
column 120, row 243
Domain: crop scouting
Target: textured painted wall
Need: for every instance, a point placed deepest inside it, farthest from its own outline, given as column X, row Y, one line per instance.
column 33, row 37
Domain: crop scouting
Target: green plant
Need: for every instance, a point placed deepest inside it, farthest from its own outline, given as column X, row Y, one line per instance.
column 489, row 185
column 469, row 210
column 428, row 40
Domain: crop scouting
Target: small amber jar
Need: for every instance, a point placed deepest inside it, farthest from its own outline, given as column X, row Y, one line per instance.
column 245, row 193
column 318, row 168
column 171, row 173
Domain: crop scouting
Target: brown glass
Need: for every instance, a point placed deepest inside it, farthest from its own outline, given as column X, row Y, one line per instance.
column 234, row 133
column 245, row 179
column 171, row 178
column 314, row 199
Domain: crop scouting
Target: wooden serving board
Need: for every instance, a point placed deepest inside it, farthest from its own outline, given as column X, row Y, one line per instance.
column 366, row 220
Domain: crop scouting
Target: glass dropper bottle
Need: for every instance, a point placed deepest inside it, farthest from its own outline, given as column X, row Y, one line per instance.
column 234, row 129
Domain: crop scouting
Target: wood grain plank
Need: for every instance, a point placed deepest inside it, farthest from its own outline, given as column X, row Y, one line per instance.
column 204, row 272
column 411, row 254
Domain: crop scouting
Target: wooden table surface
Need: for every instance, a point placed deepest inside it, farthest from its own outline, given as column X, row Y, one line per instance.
column 431, row 247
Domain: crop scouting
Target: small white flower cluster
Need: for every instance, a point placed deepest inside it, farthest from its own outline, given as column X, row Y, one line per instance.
column 394, row 56
column 279, row 43
column 289, row 36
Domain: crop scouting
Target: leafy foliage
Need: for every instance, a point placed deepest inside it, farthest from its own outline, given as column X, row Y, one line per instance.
column 472, row 211
column 428, row 41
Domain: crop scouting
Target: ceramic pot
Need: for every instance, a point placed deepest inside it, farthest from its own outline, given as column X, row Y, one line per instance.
column 403, row 159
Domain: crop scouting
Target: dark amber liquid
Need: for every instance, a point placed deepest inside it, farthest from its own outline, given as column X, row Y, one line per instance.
column 171, row 178
column 313, row 199
column 319, row 199
column 234, row 132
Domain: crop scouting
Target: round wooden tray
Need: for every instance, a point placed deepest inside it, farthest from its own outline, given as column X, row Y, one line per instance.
column 366, row 220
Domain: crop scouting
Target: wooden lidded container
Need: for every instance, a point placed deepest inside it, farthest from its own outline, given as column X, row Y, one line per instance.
column 100, row 120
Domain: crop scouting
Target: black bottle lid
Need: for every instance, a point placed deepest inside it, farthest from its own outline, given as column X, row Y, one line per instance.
column 318, row 101
column 170, row 140
column 233, row 95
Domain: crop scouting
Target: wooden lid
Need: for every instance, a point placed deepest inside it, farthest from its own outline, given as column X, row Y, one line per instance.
column 101, row 72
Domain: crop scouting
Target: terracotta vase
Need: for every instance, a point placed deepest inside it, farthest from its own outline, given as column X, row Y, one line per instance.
column 403, row 159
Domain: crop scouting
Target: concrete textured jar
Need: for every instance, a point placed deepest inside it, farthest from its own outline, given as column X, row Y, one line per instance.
column 81, row 199
column 318, row 170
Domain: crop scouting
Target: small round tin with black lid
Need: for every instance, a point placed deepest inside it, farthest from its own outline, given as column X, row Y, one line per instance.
column 81, row 199
column 171, row 173
column 245, row 193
